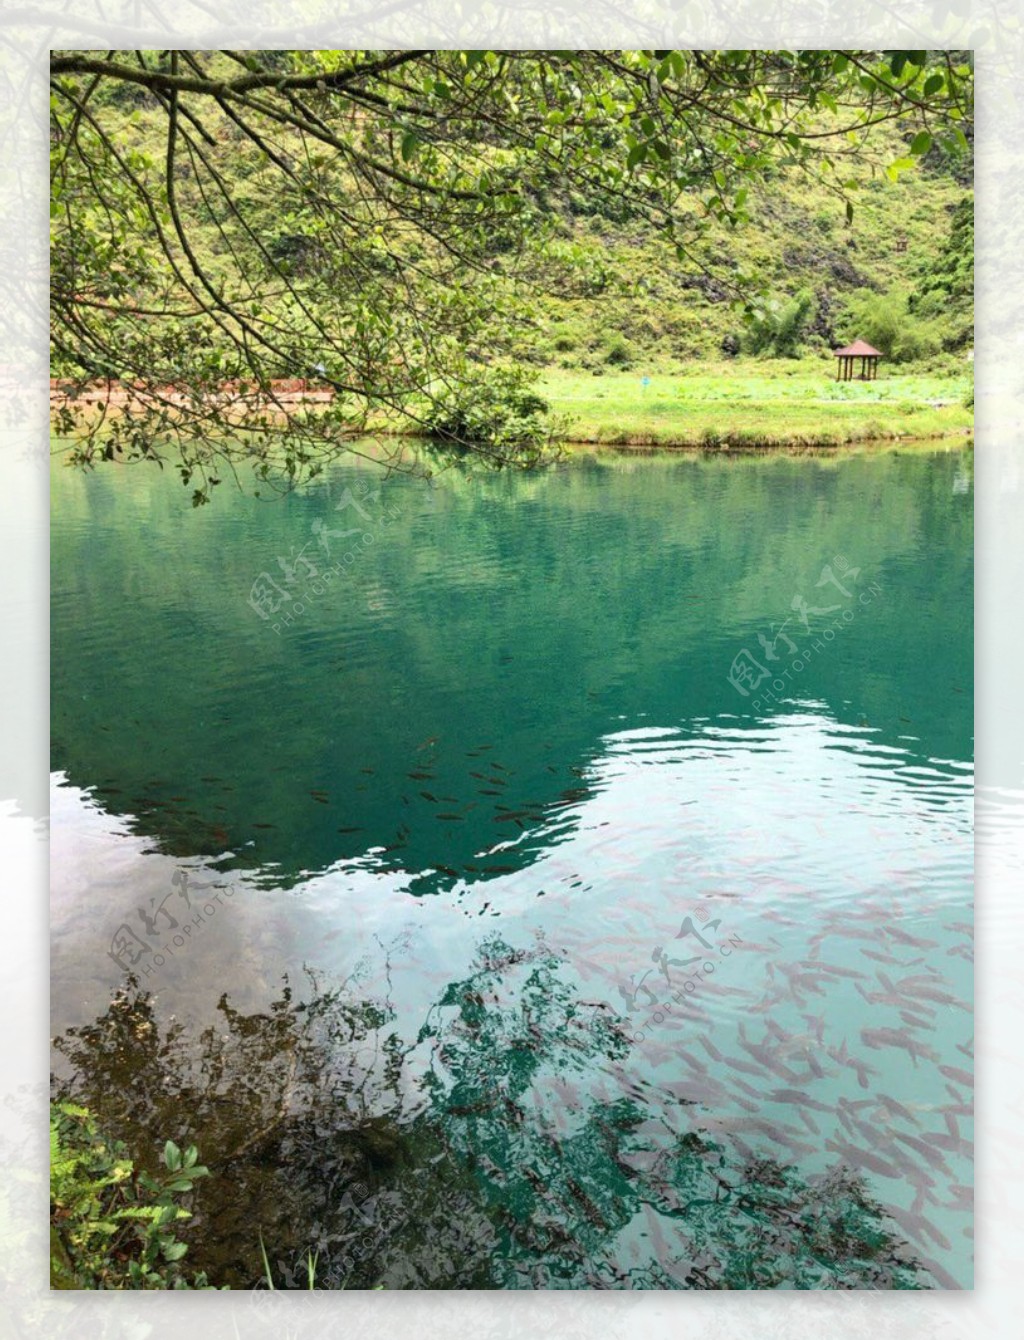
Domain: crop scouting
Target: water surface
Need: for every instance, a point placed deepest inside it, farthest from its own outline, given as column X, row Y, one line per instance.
column 592, row 849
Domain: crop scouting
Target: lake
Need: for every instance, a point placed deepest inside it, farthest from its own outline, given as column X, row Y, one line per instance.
column 554, row 879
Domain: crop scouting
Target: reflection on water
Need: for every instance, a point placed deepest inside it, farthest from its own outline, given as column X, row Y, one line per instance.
column 519, row 1172
column 623, row 814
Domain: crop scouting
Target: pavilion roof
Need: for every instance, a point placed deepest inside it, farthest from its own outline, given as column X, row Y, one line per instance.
column 858, row 349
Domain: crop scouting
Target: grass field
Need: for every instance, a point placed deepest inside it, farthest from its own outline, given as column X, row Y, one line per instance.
column 751, row 403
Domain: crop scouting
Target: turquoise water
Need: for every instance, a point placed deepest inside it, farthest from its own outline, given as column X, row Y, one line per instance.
column 625, row 813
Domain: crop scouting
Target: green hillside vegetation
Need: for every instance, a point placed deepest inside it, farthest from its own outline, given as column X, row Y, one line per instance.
column 900, row 273
column 580, row 285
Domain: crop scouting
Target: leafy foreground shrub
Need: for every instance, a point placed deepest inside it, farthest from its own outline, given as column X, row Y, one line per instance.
column 112, row 1227
column 495, row 409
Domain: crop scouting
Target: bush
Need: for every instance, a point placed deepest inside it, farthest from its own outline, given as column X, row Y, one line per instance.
column 885, row 321
column 112, row 1227
column 620, row 353
column 494, row 409
column 778, row 329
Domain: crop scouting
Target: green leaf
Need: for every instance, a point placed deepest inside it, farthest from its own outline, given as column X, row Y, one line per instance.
column 933, row 84
column 636, row 155
column 410, row 143
column 849, row 211
column 172, row 1156
column 839, row 63
column 921, row 143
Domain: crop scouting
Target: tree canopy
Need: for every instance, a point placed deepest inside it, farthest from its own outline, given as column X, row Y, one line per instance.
column 228, row 227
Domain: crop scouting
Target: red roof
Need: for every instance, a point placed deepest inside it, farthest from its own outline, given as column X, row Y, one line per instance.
column 858, row 349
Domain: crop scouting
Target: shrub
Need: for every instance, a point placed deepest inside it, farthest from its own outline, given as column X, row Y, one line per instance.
column 778, row 329
column 111, row 1226
column 885, row 321
column 620, row 352
column 494, row 409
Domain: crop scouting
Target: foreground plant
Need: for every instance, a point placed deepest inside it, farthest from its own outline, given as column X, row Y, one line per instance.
column 112, row 1226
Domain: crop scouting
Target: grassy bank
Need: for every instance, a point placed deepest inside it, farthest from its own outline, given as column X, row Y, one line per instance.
column 753, row 403
column 736, row 403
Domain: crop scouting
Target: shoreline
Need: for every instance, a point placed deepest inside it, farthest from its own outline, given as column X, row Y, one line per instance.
column 706, row 424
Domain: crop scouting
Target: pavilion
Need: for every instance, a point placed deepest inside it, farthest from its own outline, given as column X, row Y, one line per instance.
column 868, row 361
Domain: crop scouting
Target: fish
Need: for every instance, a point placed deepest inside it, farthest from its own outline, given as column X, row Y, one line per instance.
column 831, row 968
column 899, row 1038
column 955, row 1073
column 814, row 1066
column 890, row 958
column 941, row 1140
column 963, row 1198
column 351, row 830
column 420, row 776
column 796, row 1096
column 692, row 1061
column 745, row 1066
column 842, row 1056
column 915, row 1020
column 862, row 1158
column 938, row 997
column 747, row 1088
column 914, row 1225
column 816, row 1022
column 905, row 938
column 897, row 1109
column 427, row 795
column 710, row 1048
column 930, row 1156
column 264, row 825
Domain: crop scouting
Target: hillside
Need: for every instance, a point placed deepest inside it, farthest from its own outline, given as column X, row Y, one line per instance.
column 256, row 258
column 905, row 261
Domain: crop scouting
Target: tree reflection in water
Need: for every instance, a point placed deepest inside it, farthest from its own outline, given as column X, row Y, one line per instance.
column 509, row 1145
